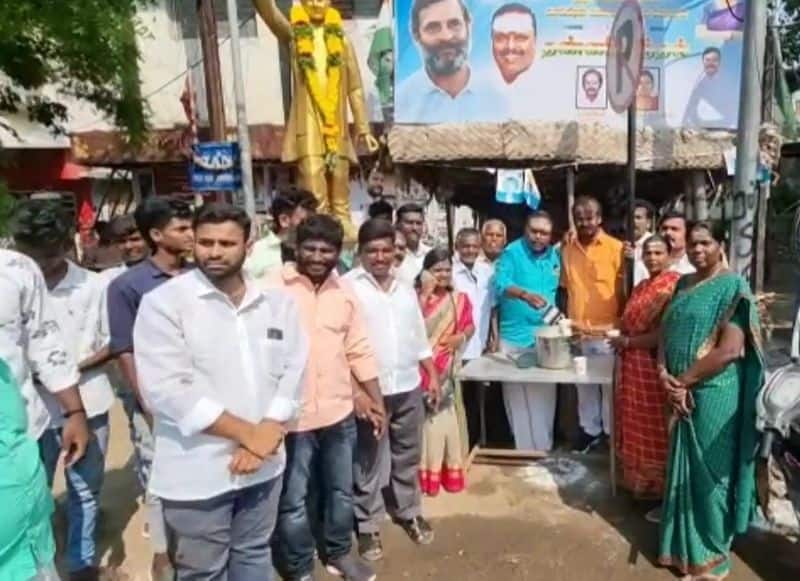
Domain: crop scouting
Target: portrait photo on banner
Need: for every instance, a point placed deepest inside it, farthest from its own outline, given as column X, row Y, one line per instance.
column 469, row 61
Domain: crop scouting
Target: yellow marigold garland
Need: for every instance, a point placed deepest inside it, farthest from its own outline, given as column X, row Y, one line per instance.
column 326, row 102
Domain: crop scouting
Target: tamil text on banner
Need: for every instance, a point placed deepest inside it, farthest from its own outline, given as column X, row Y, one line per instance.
column 544, row 60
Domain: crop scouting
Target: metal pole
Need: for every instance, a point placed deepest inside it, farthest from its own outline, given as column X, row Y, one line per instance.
column 745, row 186
column 773, row 68
column 631, row 179
column 241, row 111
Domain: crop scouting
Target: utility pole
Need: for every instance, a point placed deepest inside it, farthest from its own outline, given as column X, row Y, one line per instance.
column 745, row 185
column 209, row 42
column 241, row 111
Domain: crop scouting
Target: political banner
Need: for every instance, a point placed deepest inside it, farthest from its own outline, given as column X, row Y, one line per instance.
column 373, row 42
column 461, row 61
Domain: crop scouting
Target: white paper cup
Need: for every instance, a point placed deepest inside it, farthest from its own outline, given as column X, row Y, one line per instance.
column 580, row 365
column 565, row 325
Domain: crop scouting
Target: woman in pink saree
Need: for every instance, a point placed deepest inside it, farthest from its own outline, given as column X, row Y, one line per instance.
column 448, row 319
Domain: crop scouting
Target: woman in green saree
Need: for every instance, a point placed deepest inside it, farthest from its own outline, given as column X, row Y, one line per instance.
column 27, row 549
column 711, row 367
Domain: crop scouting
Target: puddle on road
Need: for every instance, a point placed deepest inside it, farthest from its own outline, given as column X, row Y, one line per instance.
column 553, row 473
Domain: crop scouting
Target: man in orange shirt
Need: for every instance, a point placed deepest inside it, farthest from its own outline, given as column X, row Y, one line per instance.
column 320, row 446
column 592, row 275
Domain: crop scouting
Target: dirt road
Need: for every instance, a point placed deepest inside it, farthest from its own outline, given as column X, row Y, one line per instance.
column 552, row 521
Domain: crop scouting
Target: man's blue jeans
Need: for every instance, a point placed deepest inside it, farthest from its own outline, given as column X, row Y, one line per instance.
column 143, row 450
column 84, row 480
column 320, row 461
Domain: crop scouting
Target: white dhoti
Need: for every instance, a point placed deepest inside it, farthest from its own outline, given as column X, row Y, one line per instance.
column 594, row 401
column 531, row 409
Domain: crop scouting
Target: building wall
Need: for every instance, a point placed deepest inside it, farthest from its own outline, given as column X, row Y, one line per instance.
column 166, row 55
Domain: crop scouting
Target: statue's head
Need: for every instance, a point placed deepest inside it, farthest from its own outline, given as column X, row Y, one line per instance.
column 316, row 9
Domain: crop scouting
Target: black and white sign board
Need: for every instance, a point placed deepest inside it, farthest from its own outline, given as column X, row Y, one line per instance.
column 625, row 55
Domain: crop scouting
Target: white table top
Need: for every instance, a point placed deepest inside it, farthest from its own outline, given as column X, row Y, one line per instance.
column 497, row 367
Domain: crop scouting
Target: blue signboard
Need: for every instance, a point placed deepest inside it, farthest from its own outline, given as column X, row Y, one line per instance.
column 216, row 167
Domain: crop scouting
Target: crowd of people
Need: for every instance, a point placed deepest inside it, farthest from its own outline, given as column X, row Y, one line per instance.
column 284, row 396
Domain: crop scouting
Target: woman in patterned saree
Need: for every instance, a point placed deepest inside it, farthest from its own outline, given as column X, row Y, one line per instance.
column 641, row 401
column 448, row 319
column 711, row 368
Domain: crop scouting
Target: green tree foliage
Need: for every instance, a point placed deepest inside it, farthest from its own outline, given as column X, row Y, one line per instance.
column 81, row 48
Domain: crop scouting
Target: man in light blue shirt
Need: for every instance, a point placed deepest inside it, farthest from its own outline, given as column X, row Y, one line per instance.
column 445, row 89
column 526, row 280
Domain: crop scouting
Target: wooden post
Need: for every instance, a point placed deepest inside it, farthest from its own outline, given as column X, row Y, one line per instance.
column 697, row 180
column 570, row 194
column 448, row 208
column 209, row 42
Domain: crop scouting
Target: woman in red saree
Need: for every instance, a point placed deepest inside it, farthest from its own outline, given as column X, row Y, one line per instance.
column 448, row 319
column 641, row 403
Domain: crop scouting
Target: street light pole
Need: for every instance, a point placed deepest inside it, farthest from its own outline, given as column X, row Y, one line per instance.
column 745, row 185
column 241, row 111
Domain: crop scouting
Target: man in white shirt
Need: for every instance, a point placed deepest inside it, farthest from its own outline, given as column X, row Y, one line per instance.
column 399, row 339
column 220, row 364
column 673, row 228
column 411, row 223
column 77, row 298
column 474, row 278
column 494, row 237
column 31, row 345
column 710, row 104
column 643, row 214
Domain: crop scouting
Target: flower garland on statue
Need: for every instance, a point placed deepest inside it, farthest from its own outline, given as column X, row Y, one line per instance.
column 327, row 101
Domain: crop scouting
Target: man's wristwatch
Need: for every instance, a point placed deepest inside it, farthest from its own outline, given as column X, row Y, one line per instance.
column 69, row 413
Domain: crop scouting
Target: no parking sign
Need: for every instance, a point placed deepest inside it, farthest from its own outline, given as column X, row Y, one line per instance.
column 625, row 56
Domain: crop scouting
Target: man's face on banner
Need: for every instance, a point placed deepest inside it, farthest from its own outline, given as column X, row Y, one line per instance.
column 592, row 83
column 443, row 37
column 711, row 63
column 513, row 44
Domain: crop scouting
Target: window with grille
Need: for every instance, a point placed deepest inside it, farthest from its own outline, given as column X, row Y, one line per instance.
column 184, row 12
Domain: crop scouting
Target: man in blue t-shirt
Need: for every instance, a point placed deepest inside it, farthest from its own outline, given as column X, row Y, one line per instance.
column 166, row 225
column 526, row 281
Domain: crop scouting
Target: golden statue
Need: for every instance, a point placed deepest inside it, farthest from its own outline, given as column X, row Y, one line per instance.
column 325, row 77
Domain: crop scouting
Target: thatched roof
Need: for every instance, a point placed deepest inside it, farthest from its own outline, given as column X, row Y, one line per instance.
column 586, row 143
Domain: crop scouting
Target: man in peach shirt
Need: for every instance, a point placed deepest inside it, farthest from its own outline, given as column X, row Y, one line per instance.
column 592, row 274
column 320, row 446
